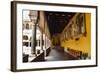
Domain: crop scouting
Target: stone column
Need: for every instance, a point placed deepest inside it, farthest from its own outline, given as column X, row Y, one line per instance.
column 34, row 39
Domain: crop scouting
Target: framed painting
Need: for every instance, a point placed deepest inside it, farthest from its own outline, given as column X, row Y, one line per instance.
column 36, row 26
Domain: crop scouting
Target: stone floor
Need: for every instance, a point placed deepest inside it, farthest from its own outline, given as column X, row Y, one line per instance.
column 57, row 55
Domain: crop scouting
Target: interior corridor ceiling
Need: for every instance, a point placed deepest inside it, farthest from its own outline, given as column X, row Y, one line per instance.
column 57, row 20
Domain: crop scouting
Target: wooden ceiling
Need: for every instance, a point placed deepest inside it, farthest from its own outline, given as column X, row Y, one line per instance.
column 57, row 20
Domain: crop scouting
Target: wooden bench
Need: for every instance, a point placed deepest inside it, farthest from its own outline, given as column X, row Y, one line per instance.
column 77, row 54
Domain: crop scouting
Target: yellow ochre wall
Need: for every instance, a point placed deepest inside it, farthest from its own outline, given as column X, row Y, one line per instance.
column 84, row 43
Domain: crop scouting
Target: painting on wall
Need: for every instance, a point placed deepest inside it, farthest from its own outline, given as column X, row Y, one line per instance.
column 30, row 44
column 76, row 27
column 80, row 21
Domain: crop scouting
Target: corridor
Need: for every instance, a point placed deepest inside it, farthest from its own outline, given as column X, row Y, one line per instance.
column 55, row 36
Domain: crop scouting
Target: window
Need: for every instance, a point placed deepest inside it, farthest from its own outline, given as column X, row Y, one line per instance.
column 27, row 26
column 30, row 44
column 25, row 37
column 42, row 42
column 39, row 42
column 25, row 44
